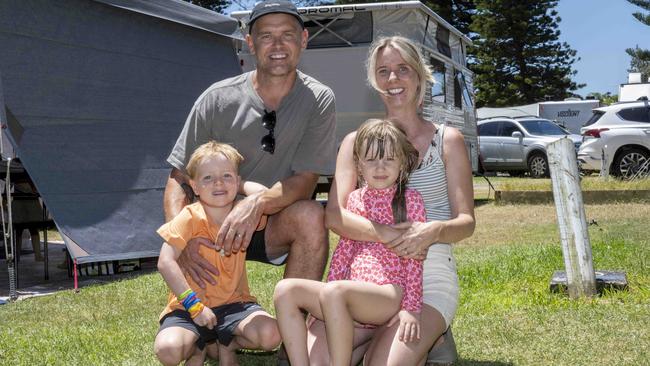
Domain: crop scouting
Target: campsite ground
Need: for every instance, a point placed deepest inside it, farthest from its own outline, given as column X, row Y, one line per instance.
column 507, row 315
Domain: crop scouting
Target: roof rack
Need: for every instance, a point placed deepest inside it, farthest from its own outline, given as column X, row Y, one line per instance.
column 480, row 119
column 640, row 99
column 526, row 116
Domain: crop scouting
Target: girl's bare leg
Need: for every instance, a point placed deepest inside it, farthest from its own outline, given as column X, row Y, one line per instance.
column 290, row 298
column 387, row 349
column 317, row 344
column 343, row 302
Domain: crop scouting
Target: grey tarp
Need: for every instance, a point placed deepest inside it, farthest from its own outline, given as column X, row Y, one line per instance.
column 96, row 93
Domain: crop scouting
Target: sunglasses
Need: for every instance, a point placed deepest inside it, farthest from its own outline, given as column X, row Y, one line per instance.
column 268, row 141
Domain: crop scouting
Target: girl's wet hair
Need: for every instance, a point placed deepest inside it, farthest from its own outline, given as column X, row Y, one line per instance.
column 379, row 138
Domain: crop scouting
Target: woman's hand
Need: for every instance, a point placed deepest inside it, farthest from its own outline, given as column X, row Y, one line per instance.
column 409, row 326
column 388, row 233
column 415, row 239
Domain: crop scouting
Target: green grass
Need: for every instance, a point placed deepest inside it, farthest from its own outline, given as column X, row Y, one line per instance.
column 507, row 316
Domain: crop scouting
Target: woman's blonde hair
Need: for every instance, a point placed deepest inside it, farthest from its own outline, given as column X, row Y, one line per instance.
column 210, row 149
column 411, row 55
column 377, row 138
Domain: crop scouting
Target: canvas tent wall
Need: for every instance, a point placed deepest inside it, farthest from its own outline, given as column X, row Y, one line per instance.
column 340, row 36
column 95, row 94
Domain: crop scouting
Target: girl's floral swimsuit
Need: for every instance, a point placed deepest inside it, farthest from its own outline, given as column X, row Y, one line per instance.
column 371, row 261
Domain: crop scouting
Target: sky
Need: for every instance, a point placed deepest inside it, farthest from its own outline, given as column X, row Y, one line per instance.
column 601, row 30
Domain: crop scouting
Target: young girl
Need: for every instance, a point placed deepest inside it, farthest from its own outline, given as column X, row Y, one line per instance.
column 367, row 283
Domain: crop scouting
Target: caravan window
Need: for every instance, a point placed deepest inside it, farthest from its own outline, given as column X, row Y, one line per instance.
column 457, row 90
column 438, row 90
column 442, row 38
column 342, row 30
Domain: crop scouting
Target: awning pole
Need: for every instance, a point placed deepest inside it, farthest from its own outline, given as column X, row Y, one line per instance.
column 9, row 240
column 74, row 269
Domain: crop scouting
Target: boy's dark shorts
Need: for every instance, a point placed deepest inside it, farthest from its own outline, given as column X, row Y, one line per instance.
column 228, row 317
column 256, row 250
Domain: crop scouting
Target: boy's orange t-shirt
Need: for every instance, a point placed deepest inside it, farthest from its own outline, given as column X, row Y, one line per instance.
column 232, row 283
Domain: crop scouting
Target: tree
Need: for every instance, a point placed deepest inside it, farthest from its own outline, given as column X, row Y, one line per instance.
column 215, row 5
column 518, row 58
column 606, row 98
column 645, row 4
column 640, row 61
column 457, row 12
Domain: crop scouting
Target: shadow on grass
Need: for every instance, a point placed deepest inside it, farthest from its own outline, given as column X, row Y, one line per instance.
column 466, row 362
column 482, row 201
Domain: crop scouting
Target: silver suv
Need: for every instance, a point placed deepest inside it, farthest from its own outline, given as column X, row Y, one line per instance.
column 518, row 144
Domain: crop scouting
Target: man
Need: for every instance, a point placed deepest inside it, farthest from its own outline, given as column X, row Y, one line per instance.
column 282, row 121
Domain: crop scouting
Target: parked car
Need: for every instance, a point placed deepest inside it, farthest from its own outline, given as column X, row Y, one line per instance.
column 518, row 145
column 620, row 133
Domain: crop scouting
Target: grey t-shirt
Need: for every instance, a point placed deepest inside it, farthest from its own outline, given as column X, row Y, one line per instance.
column 230, row 111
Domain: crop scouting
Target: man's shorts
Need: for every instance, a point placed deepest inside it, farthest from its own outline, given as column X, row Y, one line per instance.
column 256, row 251
column 228, row 317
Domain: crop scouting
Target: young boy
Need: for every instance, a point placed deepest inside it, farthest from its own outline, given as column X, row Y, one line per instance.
column 225, row 312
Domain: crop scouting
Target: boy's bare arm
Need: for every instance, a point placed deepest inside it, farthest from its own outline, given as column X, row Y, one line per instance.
column 173, row 276
column 170, row 270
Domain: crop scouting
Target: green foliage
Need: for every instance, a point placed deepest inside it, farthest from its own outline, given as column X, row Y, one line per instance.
column 644, row 4
column 639, row 61
column 606, row 98
column 518, row 58
column 640, row 58
column 215, row 5
column 457, row 12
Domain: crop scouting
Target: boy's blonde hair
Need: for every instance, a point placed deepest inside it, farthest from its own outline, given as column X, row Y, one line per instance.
column 411, row 55
column 209, row 149
column 382, row 137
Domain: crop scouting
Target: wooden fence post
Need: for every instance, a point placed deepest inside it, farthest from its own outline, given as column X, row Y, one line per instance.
column 576, row 248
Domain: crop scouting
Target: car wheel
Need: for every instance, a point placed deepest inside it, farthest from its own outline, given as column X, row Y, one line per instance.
column 538, row 165
column 631, row 162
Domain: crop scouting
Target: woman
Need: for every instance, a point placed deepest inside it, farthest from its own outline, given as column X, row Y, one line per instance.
column 397, row 70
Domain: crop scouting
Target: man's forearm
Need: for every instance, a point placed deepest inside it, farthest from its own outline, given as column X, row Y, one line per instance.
column 285, row 192
column 175, row 197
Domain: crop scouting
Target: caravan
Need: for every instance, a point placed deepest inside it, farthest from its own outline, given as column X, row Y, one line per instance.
column 339, row 39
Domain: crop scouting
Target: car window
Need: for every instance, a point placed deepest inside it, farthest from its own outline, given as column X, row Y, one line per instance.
column 639, row 114
column 488, row 129
column 542, row 127
column 507, row 128
column 594, row 117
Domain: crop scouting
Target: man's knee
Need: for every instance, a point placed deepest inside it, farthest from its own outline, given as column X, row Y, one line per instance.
column 309, row 215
